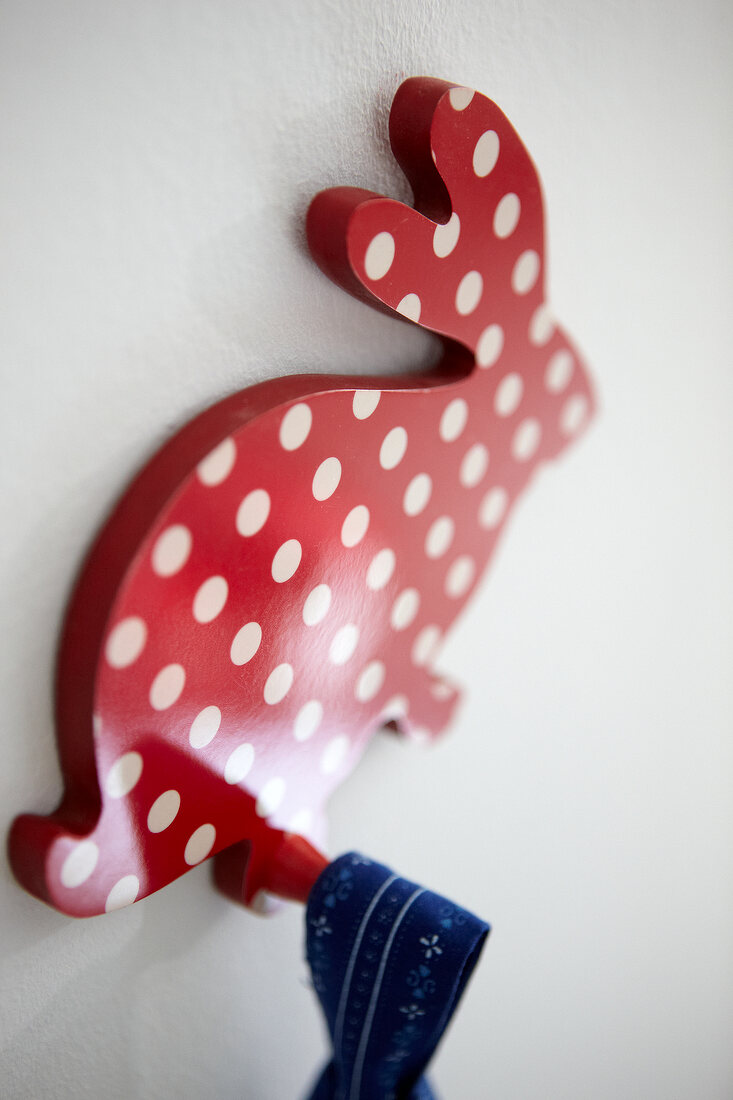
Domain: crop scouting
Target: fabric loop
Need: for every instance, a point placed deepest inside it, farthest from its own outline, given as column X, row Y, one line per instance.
column 389, row 961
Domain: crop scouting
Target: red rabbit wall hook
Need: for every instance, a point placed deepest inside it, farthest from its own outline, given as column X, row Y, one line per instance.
column 276, row 582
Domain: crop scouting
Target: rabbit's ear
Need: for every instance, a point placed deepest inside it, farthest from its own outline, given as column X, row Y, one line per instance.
column 473, row 250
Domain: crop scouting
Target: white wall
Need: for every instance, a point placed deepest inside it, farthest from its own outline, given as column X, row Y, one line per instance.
column 158, row 156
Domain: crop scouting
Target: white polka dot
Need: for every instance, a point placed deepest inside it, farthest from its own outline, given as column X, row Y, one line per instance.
column 307, row 720
column 278, row 684
column 365, row 402
column 439, row 537
column 316, row 605
column 200, row 843
column 526, row 440
column 405, row 608
column 469, row 292
column 122, row 893
column 379, row 256
column 344, row 643
column 171, row 550
column 239, row 763
column 167, row 687
column 490, row 346
column 508, row 394
column 453, row 420
column 506, row 215
column 326, row 479
column 425, row 645
column 355, row 526
column 246, row 643
column 126, row 642
column 486, row 153
column 270, row 796
column 474, row 465
column 445, row 237
column 525, row 272
column 542, row 326
column 295, row 426
column 559, row 371
column 163, row 811
column 210, row 599
column 370, row 681
column 574, row 413
column 124, row 774
column 493, row 507
column 460, row 98
column 439, row 689
column 396, row 707
column 417, row 494
column 301, row 822
column 410, row 307
column 393, row 448
column 79, row 864
column 334, row 754
column 217, row 465
column 286, row 561
column 380, row 570
column 460, row 577
column 253, row 512
column 204, row 727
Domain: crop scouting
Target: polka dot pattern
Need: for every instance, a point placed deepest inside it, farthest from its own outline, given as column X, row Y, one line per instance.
column 124, row 774
column 525, row 272
column 355, row 526
column 490, row 345
column 295, row 427
column 246, row 643
column 344, row 644
column 270, row 797
column 381, row 568
column 486, row 153
column 167, row 686
column 253, row 512
column 307, row 720
column 453, row 420
column 393, row 448
column 316, row 605
column 417, row 494
column 286, row 561
column 218, row 465
column 314, row 560
column 506, row 215
column 79, row 864
column 199, row 844
column 468, row 294
column 439, row 537
column 326, row 478
column 365, row 403
column 410, row 307
column 474, row 466
column 210, row 599
column 204, row 727
column 379, row 256
column 123, row 893
column 164, row 811
column 171, row 550
column 126, row 642
column 445, row 237
column 278, row 684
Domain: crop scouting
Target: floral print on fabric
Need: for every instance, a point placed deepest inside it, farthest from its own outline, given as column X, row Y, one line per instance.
column 389, row 961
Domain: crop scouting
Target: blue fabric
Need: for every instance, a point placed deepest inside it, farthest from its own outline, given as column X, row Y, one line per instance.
column 389, row 961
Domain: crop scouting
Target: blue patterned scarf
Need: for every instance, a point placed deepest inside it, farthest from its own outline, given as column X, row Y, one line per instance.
column 389, row 961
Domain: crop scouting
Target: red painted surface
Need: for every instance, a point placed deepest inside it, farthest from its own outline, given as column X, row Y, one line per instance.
column 275, row 584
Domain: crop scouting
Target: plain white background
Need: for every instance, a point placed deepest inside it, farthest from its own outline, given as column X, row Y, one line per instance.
column 158, row 158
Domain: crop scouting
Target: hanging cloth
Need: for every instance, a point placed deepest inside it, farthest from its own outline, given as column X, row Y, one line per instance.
column 389, row 962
